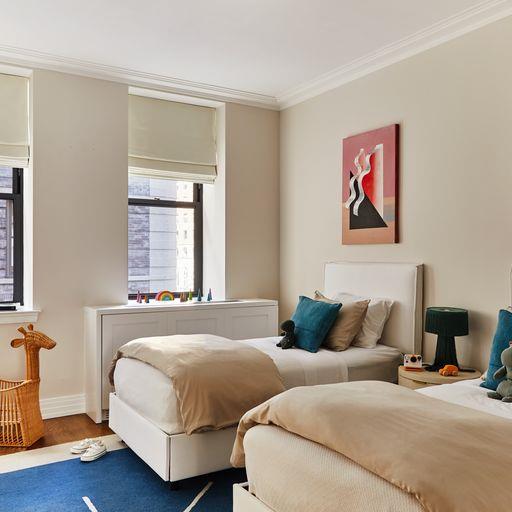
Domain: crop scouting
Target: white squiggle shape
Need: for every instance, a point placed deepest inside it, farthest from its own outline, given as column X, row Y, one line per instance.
column 352, row 196
column 360, row 177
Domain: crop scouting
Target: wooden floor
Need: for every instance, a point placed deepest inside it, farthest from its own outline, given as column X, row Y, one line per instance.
column 64, row 430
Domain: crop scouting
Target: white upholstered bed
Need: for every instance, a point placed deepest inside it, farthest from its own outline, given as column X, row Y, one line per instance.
column 144, row 412
column 329, row 478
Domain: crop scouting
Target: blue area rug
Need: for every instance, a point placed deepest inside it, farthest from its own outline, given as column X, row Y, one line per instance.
column 118, row 482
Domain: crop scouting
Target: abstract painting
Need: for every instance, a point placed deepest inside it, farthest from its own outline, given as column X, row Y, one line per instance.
column 370, row 187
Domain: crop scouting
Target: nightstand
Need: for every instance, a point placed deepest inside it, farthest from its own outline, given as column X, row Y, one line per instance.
column 423, row 379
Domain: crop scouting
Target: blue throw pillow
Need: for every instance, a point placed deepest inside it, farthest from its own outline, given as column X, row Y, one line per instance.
column 501, row 341
column 313, row 319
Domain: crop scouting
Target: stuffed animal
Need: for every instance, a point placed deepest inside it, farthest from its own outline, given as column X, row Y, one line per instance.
column 449, row 370
column 288, row 339
column 504, row 390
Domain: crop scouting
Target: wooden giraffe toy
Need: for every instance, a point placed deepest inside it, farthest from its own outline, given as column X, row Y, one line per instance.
column 21, row 423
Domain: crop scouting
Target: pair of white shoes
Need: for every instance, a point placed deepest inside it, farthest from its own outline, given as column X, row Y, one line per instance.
column 90, row 449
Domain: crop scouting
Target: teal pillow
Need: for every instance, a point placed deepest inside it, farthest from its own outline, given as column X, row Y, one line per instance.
column 501, row 341
column 313, row 319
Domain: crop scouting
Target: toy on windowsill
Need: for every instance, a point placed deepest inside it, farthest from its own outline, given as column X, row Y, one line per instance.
column 139, row 297
column 164, row 295
column 146, row 299
column 504, row 390
column 449, row 370
column 209, row 298
column 190, row 296
column 199, row 296
column 183, row 297
column 288, row 339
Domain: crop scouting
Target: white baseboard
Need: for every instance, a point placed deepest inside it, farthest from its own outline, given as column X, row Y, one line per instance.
column 62, row 406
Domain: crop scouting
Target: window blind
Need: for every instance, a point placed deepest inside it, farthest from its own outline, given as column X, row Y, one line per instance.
column 172, row 140
column 14, row 134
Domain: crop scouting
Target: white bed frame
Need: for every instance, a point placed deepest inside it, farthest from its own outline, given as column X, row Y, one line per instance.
column 179, row 456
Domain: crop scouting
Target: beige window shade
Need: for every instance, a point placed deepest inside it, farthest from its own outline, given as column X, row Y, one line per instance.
column 171, row 140
column 14, row 138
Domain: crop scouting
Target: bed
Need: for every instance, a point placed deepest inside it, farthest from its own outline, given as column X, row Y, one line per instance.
column 144, row 412
column 329, row 477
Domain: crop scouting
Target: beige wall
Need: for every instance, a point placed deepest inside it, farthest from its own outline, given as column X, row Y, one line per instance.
column 252, row 202
column 454, row 106
column 79, row 155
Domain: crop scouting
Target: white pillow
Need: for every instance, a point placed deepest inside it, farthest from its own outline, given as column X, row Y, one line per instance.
column 376, row 317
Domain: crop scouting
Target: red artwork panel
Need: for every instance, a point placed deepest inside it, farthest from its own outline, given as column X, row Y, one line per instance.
column 370, row 187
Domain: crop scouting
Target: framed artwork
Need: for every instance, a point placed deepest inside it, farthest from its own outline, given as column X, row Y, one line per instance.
column 370, row 187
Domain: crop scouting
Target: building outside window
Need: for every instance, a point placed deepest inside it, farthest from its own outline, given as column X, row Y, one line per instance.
column 11, row 234
column 164, row 235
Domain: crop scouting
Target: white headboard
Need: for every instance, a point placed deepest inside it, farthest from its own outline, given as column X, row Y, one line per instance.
column 400, row 282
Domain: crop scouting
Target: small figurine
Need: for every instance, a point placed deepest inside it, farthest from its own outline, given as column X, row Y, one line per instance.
column 146, row 299
column 190, row 296
column 449, row 370
column 209, row 297
column 139, row 297
column 199, row 297
column 288, row 339
column 183, row 297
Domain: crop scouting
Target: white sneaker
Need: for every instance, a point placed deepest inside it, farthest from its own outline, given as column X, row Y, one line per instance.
column 95, row 451
column 82, row 446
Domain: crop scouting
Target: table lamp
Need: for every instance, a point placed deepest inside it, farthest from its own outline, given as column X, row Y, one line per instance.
column 446, row 323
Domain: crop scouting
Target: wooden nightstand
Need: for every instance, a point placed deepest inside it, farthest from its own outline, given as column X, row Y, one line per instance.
column 423, row 379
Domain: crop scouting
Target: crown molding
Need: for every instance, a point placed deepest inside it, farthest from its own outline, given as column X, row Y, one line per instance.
column 35, row 59
column 439, row 33
column 445, row 30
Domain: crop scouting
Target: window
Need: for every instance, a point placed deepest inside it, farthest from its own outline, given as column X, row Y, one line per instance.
column 164, row 235
column 11, row 234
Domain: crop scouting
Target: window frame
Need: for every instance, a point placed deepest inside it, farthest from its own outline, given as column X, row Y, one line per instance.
column 197, row 205
column 16, row 196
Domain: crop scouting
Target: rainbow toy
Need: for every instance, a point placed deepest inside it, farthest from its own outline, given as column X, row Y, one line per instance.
column 164, row 295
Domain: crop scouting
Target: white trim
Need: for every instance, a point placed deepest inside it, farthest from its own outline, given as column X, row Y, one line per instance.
column 62, row 406
column 187, row 91
column 169, row 96
column 445, row 30
column 37, row 59
column 21, row 315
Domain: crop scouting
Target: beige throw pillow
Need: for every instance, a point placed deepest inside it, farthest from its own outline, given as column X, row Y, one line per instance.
column 347, row 324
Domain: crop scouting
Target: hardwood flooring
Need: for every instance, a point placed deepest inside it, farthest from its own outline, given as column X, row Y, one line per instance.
column 64, row 430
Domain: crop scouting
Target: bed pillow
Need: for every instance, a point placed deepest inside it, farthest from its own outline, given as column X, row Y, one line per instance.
column 376, row 317
column 347, row 323
column 502, row 337
column 313, row 319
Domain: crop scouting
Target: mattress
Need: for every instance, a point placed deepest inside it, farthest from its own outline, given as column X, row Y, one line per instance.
column 149, row 392
column 308, row 476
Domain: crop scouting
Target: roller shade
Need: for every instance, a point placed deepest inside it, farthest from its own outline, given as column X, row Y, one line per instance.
column 171, row 140
column 14, row 139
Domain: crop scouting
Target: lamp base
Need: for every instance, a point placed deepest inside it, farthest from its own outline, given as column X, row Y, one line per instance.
column 446, row 353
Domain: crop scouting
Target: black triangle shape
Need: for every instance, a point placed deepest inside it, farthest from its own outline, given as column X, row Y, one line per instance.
column 368, row 216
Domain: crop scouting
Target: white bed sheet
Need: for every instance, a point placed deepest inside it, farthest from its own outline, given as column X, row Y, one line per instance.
column 469, row 394
column 150, row 392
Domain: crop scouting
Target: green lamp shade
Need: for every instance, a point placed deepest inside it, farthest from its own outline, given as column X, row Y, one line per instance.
column 447, row 321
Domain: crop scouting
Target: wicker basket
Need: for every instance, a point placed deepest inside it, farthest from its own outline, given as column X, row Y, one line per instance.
column 21, row 424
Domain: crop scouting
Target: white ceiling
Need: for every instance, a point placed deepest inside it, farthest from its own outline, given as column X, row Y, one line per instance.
column 268, row 47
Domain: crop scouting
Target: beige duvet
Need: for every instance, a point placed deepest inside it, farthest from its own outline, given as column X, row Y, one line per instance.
column 216, row 380
column 449, row 457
